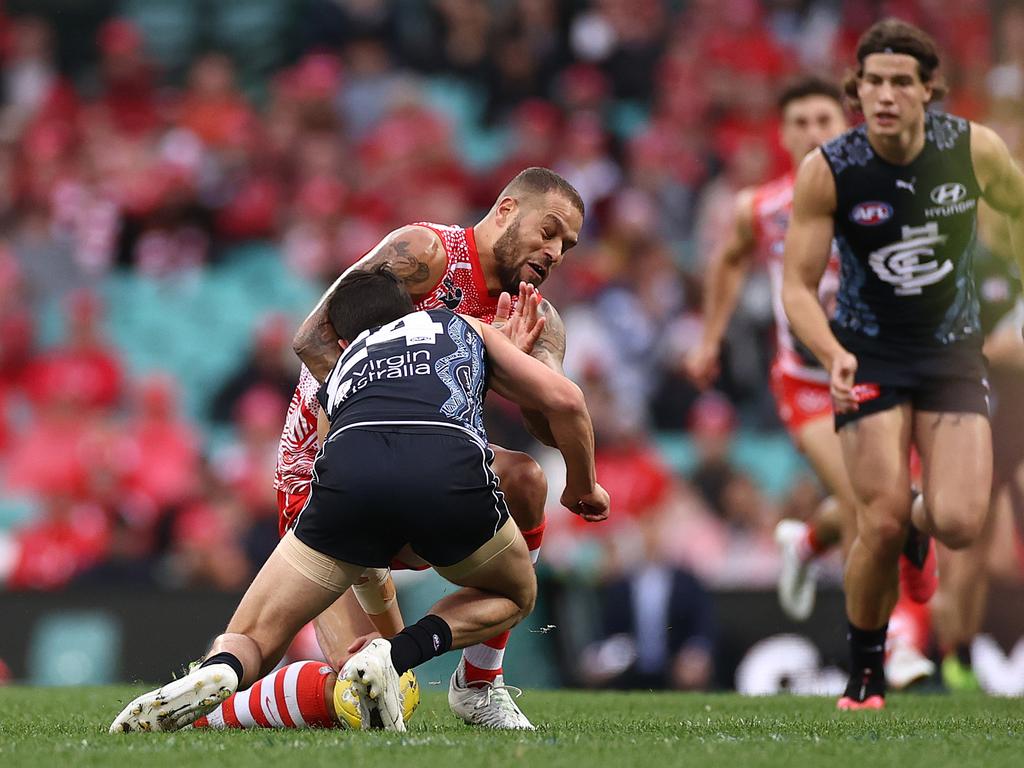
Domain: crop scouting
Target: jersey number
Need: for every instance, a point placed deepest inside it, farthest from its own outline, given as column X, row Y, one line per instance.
column 417, row 328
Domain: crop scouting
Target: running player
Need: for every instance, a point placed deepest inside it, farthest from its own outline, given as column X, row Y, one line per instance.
column 812, row 113
column 535, row 220
column 811, row 110
column 405, row 401
column 899, row 194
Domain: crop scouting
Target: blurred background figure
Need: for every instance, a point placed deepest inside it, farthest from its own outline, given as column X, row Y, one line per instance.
column 658, row 625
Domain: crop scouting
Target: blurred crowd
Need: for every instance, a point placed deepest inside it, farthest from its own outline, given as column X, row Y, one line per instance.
column 153, row 138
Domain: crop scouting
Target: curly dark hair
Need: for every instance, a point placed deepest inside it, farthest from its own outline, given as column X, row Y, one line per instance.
column 896, row 36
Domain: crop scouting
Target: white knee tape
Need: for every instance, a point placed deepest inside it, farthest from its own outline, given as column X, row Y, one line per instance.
column 375, row 591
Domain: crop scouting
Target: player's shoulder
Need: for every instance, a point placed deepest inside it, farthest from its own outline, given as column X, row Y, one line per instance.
column 770, row 195
column 420, row 237
column 945, row 130
column 850, row 149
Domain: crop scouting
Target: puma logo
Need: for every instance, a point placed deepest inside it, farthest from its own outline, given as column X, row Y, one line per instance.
column 907, row 185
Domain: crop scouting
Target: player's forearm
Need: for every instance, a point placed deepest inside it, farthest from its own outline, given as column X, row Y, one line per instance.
column 722, row 290
column 810, row 324
column 573, row 435
column 550, row 350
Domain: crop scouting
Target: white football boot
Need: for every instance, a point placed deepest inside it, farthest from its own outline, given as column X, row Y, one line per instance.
column 178, row 703
column 488, row 704
column 797, row 581
column 905, row 665
column 377, row 686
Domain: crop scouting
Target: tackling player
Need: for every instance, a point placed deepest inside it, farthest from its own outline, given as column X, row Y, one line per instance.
column 404, row 469
column 899, row 194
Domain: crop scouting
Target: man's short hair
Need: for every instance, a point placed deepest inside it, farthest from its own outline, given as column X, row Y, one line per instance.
column 367, row 298
column 810, row 85
column 896, row 36
column 540, row 181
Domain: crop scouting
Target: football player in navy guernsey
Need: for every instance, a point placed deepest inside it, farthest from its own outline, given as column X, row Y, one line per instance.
column 899, row 194
column 404, row 470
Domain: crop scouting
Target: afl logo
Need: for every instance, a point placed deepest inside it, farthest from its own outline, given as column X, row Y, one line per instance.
column 947, row 194
column 871, row 214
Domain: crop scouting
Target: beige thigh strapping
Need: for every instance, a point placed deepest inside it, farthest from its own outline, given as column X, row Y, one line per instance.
column 502, row 540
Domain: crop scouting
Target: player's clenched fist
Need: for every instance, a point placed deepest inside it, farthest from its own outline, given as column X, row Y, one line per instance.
column 592, row 506
column 844, row 368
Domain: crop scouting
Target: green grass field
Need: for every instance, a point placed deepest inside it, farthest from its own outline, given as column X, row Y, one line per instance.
column 64, row 728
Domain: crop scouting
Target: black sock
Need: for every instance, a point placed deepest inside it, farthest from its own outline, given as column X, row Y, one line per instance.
column 867, row 662
column 429, row 637
column 963, row 654
column 225, row 658
column 916, row 547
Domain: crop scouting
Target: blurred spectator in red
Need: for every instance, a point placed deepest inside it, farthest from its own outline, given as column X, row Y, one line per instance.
column 50, row 455
column 165, row 461
column 213, row 108
column 128, row 97
column 84, row 368
column 35, row 96
column 313, row 243
column 206, row 546
column 245, row 465
column 48, row 553
column 269, row 365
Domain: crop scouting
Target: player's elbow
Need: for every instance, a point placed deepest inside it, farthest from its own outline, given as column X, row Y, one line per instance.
column 563, row 397
column 302, row 340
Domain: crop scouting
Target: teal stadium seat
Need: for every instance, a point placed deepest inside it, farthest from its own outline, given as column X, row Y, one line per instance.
column 769, row 458
column 77, row 648
column 198, row 328
column 170, row 30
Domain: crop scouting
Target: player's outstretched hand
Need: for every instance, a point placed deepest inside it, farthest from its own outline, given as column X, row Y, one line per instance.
column 844, row 368
column 357, row 645
column 524, row 325
column 592, row 507
column 701, row 364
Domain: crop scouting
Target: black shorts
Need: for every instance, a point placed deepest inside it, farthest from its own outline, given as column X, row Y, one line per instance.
column 376, row 489
column 949, row 379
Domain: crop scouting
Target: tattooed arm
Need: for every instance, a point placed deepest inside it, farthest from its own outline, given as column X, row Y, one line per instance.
column 550, row 350
column 415, row 254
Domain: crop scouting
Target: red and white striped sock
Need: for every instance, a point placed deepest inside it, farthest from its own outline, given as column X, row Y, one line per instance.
column 291, row 697
column 810, row 547
column 483, row 660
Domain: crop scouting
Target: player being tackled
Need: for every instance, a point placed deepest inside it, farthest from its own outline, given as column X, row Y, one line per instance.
column 404, row 471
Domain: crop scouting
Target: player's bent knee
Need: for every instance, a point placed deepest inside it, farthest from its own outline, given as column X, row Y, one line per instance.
column 958, row 521
column 883, row 534
column 525, row 488
column 959, row 532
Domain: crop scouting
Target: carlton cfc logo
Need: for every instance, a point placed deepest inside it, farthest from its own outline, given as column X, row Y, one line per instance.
column 871, row 214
